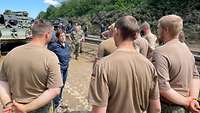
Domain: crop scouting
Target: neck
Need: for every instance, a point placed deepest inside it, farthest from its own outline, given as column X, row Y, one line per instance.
column 139, row 36
column 169, row 38
column 148, row 31
column 127, row 44
column 61, row 42
column 38, row 41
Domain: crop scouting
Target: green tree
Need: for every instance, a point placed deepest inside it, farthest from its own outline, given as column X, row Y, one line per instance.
column 41, row 15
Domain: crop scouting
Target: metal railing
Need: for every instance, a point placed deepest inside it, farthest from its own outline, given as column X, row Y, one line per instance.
column 196, row 55
column 93, row 39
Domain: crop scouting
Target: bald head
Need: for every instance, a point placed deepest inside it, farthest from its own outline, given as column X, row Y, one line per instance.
column 173, row 23
column 128, row 27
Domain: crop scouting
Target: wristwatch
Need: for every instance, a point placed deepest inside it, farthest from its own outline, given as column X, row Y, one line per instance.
column 8, row 103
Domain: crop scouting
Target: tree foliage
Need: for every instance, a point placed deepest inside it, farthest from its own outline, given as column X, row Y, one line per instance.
column 85, row 7
column 95, row 12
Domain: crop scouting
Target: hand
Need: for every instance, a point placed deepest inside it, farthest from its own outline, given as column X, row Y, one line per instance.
column 187, row 102
column 82, row 39
column 8, row 109
column 19, row 108
column 194, row 106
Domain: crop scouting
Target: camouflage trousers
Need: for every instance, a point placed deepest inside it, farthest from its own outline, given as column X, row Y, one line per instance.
column 78, row 48
column 171, row 108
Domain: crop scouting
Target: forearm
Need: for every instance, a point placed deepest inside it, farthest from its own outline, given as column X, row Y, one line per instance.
column 96, row 109
column 194, row 88
column 43, row 99
column 154, row 106
column 174, row 97
column 4, row 92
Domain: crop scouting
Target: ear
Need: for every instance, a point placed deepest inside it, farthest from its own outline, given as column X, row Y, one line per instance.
column 166, row 29
column 46, row 35
column 136, row 34
column 145, row 29
column 116, row 30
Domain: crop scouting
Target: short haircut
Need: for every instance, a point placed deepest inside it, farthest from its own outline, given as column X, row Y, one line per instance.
column 145, row 25
column 128, row 27
column 40, row 27
column 58, row 34
column 174, row 24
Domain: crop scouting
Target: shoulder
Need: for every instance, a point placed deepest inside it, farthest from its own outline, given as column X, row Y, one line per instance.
column 169, row 48
column 145, row 41
column 16, row 50
column 111, row 58
column 154, row 36
column 103, row 43
column 13, row 53
column 161, row 49
column 105, row 60
column 107, row 41
column 51, row 58
column 143, row 60
column 137, row 41
column 49, row 54
column 161, row 54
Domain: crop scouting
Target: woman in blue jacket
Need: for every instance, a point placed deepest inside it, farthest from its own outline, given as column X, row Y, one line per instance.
column 62, row 50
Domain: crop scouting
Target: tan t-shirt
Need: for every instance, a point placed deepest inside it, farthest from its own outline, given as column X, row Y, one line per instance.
column 106, row 47
column 30, row 70
column 124, row 82
column 151, row 39
column 142, row 45
column 175, row 66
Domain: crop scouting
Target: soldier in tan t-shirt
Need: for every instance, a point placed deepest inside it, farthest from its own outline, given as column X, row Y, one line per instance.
column 30, row 74
column 141, row 45
column 175, row 65
column 125, row 81
column 107, row 46
column 148, row 35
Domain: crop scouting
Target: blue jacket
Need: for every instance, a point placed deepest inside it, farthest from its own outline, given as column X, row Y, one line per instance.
column 63, row 53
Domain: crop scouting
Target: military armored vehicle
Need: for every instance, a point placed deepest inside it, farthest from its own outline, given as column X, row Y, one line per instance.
column 14, row 29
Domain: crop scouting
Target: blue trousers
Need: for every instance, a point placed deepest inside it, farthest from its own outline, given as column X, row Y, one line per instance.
column 57, row 99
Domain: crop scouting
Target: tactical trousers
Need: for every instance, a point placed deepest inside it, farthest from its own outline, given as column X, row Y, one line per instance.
column 77, row 49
